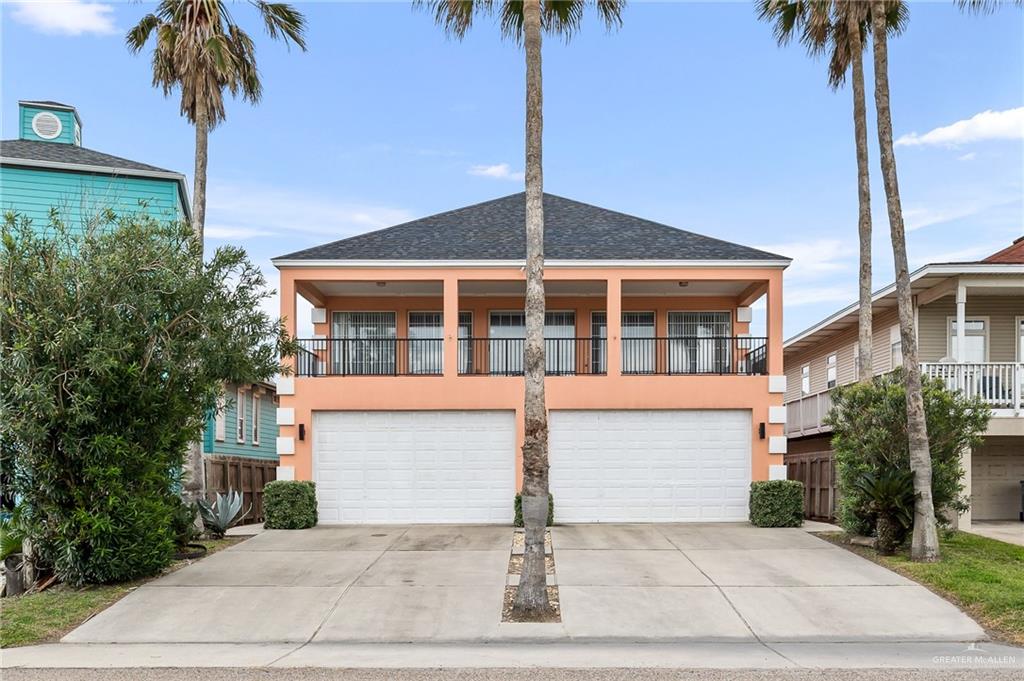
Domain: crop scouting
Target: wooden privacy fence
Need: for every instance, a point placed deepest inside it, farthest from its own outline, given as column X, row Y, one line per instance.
column 817, row 472
column 242, row 474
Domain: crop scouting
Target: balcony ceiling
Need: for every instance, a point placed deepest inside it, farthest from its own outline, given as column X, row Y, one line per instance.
column 363, row 289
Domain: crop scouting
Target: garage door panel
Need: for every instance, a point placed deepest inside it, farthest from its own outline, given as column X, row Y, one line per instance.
column 654, row 466
column 408, row 467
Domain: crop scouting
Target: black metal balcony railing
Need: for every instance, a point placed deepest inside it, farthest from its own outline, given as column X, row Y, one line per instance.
column 682, row 355
column 505, row 356
column 744, row 355
column 370, row 357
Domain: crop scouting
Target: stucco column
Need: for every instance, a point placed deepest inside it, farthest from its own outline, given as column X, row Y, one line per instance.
column 451, row 326
column 288, row 307
column 774, row 325
column 614, row 321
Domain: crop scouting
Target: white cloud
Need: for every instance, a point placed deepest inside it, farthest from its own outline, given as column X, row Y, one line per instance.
column 987, row 125
column 242, row 211
column 969, row 156
column 811, row 295
column 229, row 232
column 66, row 17
column 498, row 171
column 816, row 258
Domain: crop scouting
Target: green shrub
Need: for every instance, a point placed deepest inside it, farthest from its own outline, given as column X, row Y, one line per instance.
column 289, row 504
column 517, row 505
column 869, row 436
column 777, row 503
column 890, row 496
column 115, row 343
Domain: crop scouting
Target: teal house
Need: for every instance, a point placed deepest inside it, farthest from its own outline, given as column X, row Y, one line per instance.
column 47, row 168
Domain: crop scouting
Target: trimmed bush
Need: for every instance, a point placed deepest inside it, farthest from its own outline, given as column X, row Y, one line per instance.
column 289, row 504
column 777, row 503
column 517, row 504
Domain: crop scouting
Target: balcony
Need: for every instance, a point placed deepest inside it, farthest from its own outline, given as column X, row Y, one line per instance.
column 806, row 414
column 1000, row 385
column 666, row 356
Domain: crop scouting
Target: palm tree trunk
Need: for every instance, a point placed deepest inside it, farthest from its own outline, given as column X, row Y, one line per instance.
column 531, row 599
column 925, row 543
column 202, row 124
column 194, row 484
column 860, row 129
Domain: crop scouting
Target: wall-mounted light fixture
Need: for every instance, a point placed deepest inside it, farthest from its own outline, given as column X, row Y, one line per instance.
column 302, row 432
column 760, row 430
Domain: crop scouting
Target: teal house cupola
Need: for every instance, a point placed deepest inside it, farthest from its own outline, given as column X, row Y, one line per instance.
column 44, row 121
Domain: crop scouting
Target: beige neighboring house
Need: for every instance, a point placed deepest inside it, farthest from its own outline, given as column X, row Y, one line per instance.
column 970, row 324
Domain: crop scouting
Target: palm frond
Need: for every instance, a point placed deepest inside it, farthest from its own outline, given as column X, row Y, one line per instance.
column 283, row 21
column 985, row 6
column 139, row 34
column 455, row 16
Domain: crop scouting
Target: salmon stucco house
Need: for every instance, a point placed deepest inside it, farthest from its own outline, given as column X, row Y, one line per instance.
column 406, row 403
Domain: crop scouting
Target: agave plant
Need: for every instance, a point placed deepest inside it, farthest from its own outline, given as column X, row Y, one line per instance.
column 223, row 513
column 890, row 494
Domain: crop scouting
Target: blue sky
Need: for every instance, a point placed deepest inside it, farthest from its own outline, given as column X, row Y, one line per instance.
column 690, row 115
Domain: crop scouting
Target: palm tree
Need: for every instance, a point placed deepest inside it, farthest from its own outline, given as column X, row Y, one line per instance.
column 202, row 51
column 525, row 21
column 840, row 29
column 925, row 542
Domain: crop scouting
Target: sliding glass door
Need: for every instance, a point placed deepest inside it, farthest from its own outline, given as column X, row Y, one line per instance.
column 699, row 342
column 363, row 343
column 507, row 342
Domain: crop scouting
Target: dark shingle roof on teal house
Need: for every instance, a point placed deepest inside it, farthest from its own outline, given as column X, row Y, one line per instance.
column 47, row 168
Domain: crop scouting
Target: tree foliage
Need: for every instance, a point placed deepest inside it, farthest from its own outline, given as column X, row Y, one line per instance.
column 115, row 345
column 869, row 438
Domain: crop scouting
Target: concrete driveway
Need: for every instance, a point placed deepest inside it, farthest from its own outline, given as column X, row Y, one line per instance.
column 646, row 583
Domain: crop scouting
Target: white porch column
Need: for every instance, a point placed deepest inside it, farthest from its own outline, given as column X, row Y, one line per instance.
column 961, row 322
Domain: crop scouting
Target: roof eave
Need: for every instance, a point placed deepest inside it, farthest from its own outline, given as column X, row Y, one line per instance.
column 948, row 269
column 107, row 170
column 555, row 263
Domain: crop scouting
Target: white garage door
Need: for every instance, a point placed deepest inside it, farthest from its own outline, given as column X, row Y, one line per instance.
column 414, row 466
column 650, row 466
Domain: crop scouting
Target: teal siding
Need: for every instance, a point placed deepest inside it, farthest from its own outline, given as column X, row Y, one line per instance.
column 80, row 198
column 209, row 433
column 67, row 122
column 266, row 449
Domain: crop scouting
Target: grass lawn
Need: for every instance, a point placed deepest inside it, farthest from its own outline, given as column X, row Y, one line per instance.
column 44, row 617
column 983, row 576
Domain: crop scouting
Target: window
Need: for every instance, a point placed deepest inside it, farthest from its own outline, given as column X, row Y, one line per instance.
column 219, row 418
column 364, row 343
column 830, row 371
column 599, row 342
column 638, row 342
column 465, row 344
column 975, row 340
column 895, row 348
column 240, row 414
column 507, row 342
column 805, row 379
column 426, row 338
column 699, row 342
column 255, row 420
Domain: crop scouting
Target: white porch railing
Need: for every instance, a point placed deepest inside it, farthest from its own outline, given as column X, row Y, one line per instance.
column 998, row 384
column 805, row 414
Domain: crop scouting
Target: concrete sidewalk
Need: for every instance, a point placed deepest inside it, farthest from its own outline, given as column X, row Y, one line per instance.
column 913, row 655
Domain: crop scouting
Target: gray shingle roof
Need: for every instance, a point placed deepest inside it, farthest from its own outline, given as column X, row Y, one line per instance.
column 53, row 152
column 494, row 230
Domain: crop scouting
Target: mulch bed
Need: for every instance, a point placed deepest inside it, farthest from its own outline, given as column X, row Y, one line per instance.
column 515, row 565
column 510, row 596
